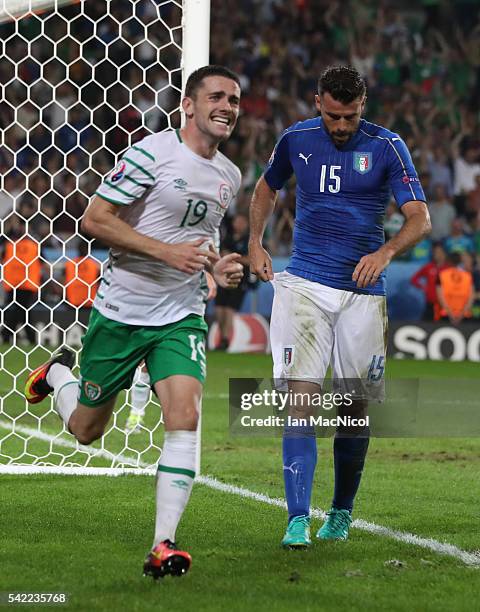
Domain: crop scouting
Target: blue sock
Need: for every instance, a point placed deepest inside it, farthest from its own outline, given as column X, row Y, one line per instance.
column 349, row 457
column 299, row 461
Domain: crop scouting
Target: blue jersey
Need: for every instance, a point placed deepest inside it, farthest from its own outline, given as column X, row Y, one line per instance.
column 341, row 197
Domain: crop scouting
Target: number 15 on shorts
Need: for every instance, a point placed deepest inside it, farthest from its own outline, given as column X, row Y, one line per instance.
column 377, row 368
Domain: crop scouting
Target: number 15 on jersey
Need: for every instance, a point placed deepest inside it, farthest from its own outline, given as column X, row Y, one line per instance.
column 332, row 182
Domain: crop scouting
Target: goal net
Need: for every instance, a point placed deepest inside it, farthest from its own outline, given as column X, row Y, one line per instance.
column 80, row 82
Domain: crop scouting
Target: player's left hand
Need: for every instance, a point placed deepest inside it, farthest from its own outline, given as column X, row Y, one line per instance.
column 228, row 272
column 370, row 267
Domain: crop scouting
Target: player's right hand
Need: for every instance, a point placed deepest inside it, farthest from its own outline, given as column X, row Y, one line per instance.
column 260, row 262
column 212, row 286
column 189, row 257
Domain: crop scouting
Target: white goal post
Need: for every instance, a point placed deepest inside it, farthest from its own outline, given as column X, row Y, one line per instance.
column 80, row 80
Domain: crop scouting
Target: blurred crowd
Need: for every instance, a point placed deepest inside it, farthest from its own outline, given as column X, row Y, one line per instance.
column 421, row 61
column 67, row 116
column 69, row 110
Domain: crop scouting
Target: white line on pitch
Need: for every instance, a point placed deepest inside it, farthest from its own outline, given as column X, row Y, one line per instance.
column 89, row 450
column 442, row 548
column 401, row 536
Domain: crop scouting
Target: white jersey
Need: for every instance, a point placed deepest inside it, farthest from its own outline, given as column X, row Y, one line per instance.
column 167, row 192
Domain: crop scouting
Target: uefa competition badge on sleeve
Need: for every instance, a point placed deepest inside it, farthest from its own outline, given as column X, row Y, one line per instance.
column 118, row 172
column 362, row 162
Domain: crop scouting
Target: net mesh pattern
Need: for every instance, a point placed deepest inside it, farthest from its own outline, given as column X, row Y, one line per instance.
column 79, row 84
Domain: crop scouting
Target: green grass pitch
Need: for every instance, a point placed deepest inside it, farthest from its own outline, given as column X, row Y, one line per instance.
column 87, row 536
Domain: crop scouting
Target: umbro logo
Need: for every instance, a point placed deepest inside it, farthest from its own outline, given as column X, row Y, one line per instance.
column 179, row 484
column 180, row 184
column 305, row 159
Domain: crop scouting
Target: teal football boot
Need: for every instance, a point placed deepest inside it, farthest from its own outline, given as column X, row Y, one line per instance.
column 298, row 533
column 336, row 525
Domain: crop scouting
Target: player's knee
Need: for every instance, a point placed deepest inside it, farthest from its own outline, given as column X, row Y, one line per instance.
column 186, row 419
column 86, row 434
column 190, row 418
column 83, row 439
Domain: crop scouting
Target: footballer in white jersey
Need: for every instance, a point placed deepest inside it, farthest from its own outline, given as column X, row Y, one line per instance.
column 159, row 211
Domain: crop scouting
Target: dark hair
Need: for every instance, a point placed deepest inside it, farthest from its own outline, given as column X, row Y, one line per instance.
column 194, row 81
column 343, row 83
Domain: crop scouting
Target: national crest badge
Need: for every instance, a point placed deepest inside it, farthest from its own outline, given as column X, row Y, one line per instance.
column 362, row 162
column 225, row 195
column 92, row 390
column 287, row 355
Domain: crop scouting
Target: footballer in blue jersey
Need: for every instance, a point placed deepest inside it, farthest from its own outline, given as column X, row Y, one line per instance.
column 329, row 306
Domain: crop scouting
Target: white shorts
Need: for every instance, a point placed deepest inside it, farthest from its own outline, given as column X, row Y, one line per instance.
column 314, row 326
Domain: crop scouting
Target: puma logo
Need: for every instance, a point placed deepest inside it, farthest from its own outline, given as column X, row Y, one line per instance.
column 290, row 468
column 305, row 159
